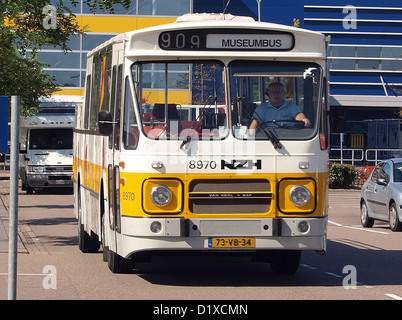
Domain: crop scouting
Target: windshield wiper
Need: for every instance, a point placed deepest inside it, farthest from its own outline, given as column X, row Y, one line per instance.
column 270, row 134
column 200, row 120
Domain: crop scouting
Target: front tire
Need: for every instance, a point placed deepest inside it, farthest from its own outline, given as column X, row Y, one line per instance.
column 118, row 264
column 394, row 222
column 365, row 220
column 286, row 262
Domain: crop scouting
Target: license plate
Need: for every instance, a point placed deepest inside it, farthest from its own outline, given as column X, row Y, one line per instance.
column 231, row 242
column 60, row 182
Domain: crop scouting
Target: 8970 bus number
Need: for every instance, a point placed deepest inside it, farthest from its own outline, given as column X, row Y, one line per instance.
column 201, row 164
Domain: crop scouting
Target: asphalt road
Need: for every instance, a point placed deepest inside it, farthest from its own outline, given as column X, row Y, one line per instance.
column 360, row 264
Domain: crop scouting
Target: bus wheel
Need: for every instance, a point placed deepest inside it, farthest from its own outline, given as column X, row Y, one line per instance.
column 285, row 261
column 105, row 250
column 86, row 243
column 118, row 264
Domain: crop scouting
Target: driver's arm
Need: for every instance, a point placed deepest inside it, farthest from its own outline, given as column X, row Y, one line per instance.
column 301, row 117
column 253, row 126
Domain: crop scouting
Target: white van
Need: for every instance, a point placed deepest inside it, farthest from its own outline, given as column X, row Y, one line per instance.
column 46, row 145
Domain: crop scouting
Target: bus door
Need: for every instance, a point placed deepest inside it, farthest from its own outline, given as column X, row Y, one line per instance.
column 114, row 145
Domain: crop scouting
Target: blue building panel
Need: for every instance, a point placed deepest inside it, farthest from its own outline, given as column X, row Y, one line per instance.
column 361, row 50
column 367, row 39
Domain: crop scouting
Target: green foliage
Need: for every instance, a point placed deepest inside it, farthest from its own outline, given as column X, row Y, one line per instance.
column 342, row 175
column 23, row 25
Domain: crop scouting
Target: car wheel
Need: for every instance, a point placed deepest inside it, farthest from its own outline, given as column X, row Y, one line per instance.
column 394, row 222
column 365, row 220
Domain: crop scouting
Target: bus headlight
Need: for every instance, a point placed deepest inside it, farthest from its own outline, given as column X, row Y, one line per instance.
column 299, row 195
column 161, row 195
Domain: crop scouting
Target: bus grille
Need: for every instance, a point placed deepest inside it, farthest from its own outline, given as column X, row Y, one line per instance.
column 230, row 196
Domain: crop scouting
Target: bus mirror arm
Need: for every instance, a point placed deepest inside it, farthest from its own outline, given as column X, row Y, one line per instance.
column 105, row 123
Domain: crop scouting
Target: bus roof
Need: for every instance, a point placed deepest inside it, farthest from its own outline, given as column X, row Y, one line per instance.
column 144, row 42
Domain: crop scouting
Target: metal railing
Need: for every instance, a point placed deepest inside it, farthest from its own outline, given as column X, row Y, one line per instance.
column 360, row 156
column 377, row 155
column 348, row 155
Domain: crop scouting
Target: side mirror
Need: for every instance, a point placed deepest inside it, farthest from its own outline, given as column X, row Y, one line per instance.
column 381, row 181
column 105, row 123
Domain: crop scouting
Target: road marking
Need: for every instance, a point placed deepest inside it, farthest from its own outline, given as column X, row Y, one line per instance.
column 308, row 267
column 368, row 230
column 357, row 228
column 334, row 274
column 28, row 274
column 393, row 296
column 337, row 224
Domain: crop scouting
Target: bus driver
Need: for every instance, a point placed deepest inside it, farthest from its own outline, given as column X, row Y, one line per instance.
column 277, row 108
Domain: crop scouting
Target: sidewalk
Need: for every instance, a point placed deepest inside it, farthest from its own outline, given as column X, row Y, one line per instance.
column 4, row 208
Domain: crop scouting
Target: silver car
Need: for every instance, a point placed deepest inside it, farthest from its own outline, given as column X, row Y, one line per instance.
column 381, row 195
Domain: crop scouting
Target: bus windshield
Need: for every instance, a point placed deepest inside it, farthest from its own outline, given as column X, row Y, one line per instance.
column 277, row 99
column 181, row 99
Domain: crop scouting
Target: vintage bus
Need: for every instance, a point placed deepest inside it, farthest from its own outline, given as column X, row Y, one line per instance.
column 165, row 160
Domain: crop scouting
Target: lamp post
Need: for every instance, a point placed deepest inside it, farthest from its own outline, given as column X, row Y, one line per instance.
column 259, row 9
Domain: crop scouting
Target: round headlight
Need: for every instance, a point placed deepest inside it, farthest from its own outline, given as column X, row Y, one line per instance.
column 299, row 195
column 161, row 195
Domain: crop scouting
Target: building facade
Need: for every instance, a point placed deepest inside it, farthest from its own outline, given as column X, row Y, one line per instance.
column 365, row 52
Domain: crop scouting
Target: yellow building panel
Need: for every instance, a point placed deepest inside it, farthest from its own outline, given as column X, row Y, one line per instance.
column 119, row 24
column 71, row 92
column 177, row 97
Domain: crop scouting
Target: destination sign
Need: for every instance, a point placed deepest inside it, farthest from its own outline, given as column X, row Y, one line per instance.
column 250, row 41
column 226, row 39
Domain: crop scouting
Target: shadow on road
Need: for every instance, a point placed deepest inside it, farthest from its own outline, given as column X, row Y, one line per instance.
column 373, row 267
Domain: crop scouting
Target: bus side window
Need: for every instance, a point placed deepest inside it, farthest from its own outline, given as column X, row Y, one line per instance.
column 87, row 102
column 130, row 127
column 118, row 106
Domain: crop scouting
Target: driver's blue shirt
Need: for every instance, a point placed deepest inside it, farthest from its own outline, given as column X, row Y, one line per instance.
column 266, row 112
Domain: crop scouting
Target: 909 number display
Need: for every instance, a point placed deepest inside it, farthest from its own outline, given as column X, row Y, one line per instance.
column 180, row 40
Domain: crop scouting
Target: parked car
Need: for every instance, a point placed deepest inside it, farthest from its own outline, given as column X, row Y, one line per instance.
column 381, row 195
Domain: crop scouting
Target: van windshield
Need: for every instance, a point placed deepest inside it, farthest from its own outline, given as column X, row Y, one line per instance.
column 51, row 139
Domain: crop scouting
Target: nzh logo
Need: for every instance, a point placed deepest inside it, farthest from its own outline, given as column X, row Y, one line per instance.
column 240, row 164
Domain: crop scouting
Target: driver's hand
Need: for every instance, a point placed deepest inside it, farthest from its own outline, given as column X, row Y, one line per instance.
column 307, row 122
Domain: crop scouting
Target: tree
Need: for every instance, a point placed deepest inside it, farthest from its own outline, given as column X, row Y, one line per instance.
column 31, row 24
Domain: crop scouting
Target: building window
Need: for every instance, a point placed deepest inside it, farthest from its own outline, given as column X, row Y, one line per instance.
column 59, row 59
column 369, row 52
column 392, row 52
column 392, row 65
column 91, row 41
column 66, row 78
column 363, row 58
column 163, row 7
column 368, row 64
column 342, row 51
column 343, row 64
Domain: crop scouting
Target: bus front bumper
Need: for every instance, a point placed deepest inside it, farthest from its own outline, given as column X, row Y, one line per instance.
column 149, row 234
